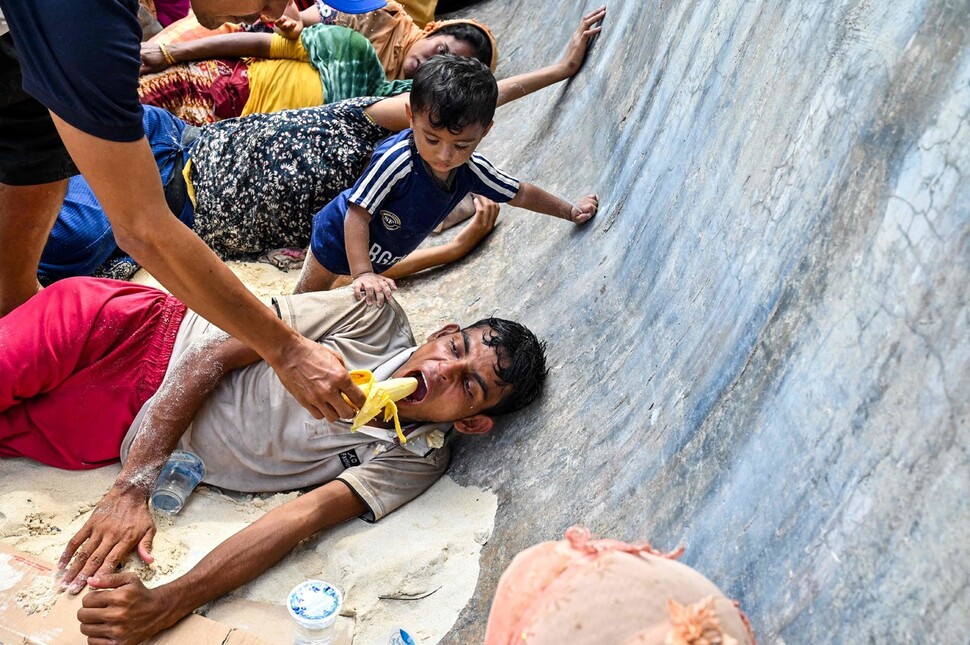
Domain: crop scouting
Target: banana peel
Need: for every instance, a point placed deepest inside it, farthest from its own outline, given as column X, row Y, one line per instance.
column 381, row 395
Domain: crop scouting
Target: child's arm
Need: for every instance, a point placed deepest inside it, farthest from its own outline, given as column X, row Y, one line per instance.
column 533, row 198
column 477, row 229
column 367, row 284
column 481, row 224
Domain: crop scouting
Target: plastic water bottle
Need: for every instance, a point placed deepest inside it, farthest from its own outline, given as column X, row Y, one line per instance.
column 179, row 476
column 314, row 606
column 397, row 636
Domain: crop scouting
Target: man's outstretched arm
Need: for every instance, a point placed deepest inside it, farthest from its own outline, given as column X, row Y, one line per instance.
column 121, row 519
column 125, row 180
column 121, row 609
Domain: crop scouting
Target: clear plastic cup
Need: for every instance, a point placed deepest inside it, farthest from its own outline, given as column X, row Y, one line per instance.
column 314, row 606
column 179, row 477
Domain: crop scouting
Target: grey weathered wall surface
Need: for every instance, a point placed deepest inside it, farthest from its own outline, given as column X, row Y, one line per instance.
column 760, row 348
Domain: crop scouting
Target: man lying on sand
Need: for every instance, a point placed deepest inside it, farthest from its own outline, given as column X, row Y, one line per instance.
column 82, row 358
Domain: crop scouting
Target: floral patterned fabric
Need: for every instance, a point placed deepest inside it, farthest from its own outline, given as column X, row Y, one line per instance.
column 260, row 179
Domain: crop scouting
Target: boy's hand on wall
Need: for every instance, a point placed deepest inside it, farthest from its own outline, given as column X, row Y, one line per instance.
column 376, row 289
column 585, row 209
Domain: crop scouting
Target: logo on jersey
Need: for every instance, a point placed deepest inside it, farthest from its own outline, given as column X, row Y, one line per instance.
column 390, row 221
column 349, row 459
column 384, row 258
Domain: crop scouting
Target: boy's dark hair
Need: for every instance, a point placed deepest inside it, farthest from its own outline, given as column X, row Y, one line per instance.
column 521, row 362
column 454, row 92
column 472, row 35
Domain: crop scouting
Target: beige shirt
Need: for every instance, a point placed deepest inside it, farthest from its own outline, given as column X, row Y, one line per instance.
column 254, row 437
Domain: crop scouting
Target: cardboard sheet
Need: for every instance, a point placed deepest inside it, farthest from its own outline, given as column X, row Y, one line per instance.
column 32, row 580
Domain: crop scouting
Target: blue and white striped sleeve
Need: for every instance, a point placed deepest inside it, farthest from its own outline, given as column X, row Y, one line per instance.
column 495, row 184
column 381, row 176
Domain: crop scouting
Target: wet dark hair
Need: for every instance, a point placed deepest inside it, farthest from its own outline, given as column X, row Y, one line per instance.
column 470, row 34
column 521, row 362
column 454, row 92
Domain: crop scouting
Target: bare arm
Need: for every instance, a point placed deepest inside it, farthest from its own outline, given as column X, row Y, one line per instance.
column 521, row 85
column 389, row 113
column 127, row 611
column 357, row 239
column 125, row 180
column 374, row 288
column 477, row 229
column 310, row 16
column 220, row 46
column 533, row 198
column 121, row 520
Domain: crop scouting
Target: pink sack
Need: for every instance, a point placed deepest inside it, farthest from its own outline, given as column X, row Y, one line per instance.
column 582, row 591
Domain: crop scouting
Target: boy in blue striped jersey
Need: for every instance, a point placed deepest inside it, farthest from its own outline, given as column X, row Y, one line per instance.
column 416, row 178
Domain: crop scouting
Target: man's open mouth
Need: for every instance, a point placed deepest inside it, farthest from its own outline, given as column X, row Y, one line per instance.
column 421, row 391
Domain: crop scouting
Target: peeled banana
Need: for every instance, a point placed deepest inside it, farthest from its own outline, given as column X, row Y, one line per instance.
column 381, row 396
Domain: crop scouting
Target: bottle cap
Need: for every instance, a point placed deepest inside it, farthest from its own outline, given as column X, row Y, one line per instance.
column 314, row 604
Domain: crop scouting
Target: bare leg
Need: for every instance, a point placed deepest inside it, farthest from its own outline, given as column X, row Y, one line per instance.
column 461, row 212
column 27, row 214
column 314, row 276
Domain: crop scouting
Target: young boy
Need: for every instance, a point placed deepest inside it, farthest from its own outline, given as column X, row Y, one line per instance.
column 416, row 178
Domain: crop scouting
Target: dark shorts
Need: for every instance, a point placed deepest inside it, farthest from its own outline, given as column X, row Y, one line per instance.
column 31, row 151
column 79, row 60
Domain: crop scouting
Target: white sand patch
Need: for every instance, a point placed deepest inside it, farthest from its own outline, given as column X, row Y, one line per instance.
column 40, row 595
column 262, row 279
column 428, row 548
column 43, row 507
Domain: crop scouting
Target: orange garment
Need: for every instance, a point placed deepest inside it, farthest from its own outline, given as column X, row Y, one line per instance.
column 587, row 592
column 421, row 10
column 392, row 32
column 188, row 28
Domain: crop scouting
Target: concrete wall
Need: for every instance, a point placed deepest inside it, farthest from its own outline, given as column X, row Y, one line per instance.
column 760, row 348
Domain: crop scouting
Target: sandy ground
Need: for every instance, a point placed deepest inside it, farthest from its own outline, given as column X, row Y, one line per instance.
column 416, row 568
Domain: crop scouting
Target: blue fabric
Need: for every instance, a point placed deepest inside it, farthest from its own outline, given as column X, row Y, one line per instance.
column 81, row 60
column 405, row 203
column 82, row 239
